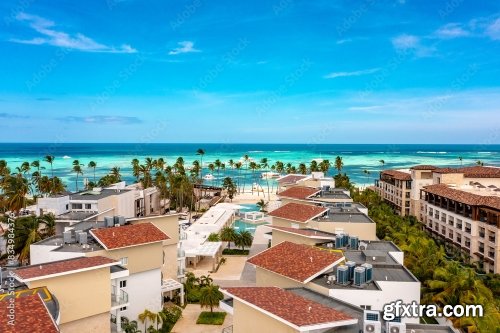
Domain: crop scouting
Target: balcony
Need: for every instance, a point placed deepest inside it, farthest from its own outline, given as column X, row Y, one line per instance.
column 181, row 253
column 468, row 230
column 491, row 254
column 481, row 234
column 119, row 297
column 492, row 239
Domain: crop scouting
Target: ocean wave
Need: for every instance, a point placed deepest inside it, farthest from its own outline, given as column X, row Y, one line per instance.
column 485, row 152
column 66, row 157
column 281, row 151
column 255, row 151
column 432, row 152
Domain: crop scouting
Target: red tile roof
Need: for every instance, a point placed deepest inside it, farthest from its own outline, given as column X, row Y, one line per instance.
column 299, row 192
column 310, row 233
column 397, row 174
column 423, row 167
column 62, row 266
column 288, row 306
column 298, row 212
column 128, row 235
column 291, row 179
column 473, row 171
column 296, row 261
column 467, row 198
column 30, row 316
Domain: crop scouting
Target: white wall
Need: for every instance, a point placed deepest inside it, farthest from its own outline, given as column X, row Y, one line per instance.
column 144, row 292
column 55, row 205
column 390, row 292
column 44, row 253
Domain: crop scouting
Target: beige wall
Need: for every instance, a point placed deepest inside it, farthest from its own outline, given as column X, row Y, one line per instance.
column 269, row 279
column 247, row 319
column 169, row 224
column 97, row 323
column 365, row 231
column 80, row 295
column 448, row 178
column 279, row 222
column 140, row 258
column 280, row 236
column 284, row 201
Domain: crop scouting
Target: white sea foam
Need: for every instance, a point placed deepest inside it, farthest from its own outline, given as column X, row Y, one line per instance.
column 66, row 157
column 432, row 152
column 281, row 151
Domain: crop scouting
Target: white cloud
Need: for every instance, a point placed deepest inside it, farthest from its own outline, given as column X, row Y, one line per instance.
column 451, row 30
column 343, row 41
column 354, row 73
column 493, row 30
column 405, row 42
column 184, row 47
column 53, row 37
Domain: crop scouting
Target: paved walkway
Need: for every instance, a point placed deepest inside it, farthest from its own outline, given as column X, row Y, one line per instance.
column 187, row 323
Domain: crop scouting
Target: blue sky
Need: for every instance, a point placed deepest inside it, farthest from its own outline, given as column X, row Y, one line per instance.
column 390, row 71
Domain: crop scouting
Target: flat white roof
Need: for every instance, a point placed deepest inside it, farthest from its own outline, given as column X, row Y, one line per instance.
column 207, row 249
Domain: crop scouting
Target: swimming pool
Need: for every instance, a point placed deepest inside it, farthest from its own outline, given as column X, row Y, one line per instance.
column 240, row 225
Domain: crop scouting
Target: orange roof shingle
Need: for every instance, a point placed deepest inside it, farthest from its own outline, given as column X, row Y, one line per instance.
column 298, row 212
column 299, row 192
column 128, row 235
column 423, row 167
column 397, row 174
column 62, row 266
column 296, row 261
column 30, row 316
column 463, row 196
column 473, row 171
column 288, row 306
column 291, row 179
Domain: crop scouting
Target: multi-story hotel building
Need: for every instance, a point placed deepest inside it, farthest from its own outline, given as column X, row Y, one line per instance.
column 394, row 186
column 460, row 205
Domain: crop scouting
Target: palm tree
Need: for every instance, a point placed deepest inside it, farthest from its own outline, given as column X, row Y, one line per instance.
column 367, row 173
column 313, row 166
column 50, row 159
column 206, row 280
column 262, row 205
column 228, row 235
column 131, row 326
column 265, row 165
column 36, row 164
column 145, row 316
column 93, row 165
column 238, row 166
column 210, row 297
column 339, row 164
column 254, row 166
column 244, row 238
column 246, row 158
column 461, row 160
column 302, row 169
column 480, row 163
column 136, row 169
column 213, row 237
column 77, row 169
column 26, row 232
column 217, row 164
column 325, row 166
column 201, row 152
column 15, row 188
column 115, row 172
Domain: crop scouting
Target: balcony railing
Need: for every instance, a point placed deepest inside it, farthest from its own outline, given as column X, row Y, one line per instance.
column 181, row 253
column 492, row 239
column 118, row 296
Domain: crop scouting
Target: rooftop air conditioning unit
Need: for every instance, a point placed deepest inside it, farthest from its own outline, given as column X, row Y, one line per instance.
column 363, row 246
column 109, row 221
column 393, row 327
column 371, row 323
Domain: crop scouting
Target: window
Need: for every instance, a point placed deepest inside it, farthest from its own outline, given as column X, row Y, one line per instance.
column 124, row 261
column 76, row 206
column 123, row 284
column 467, row 242
column 481, row 232
column 467, row 228
column 67, row 206
column 366, row 307
column 459, row 224
column 123, row 308
column 459, row 239
column 88, row 206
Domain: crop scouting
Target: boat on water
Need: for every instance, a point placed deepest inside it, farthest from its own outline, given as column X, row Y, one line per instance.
column 209, row 177
column 270, row 175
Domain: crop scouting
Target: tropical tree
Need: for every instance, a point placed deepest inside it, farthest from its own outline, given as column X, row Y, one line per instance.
column 480, row 163
column 461, row 160
column 145, row 316
column 238, row 166
column 246, row 159
column 254, row 167
column 115, row 172
column 201, row 152
column 367, row 173
column 262, row 205
column 264, row 164
column 206, row 280
column 210, row 297
column 213, row 237
column 77, row 169
column 92, row 165
column 314, row 166
column 50, row 159
column 136, row 170
column 244, row 239
column 339, row 164
column 38, row 174
column 325, row 166
column 15, row 189
column 230, row 187
column 228, row 235
column 130, row 326
column 302, row 169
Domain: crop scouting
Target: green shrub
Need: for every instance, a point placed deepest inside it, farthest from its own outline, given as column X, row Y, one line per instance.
column 211, row 318
column 235, row 252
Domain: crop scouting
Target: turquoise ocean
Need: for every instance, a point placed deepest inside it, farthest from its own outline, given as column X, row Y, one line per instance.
column 356, row 157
